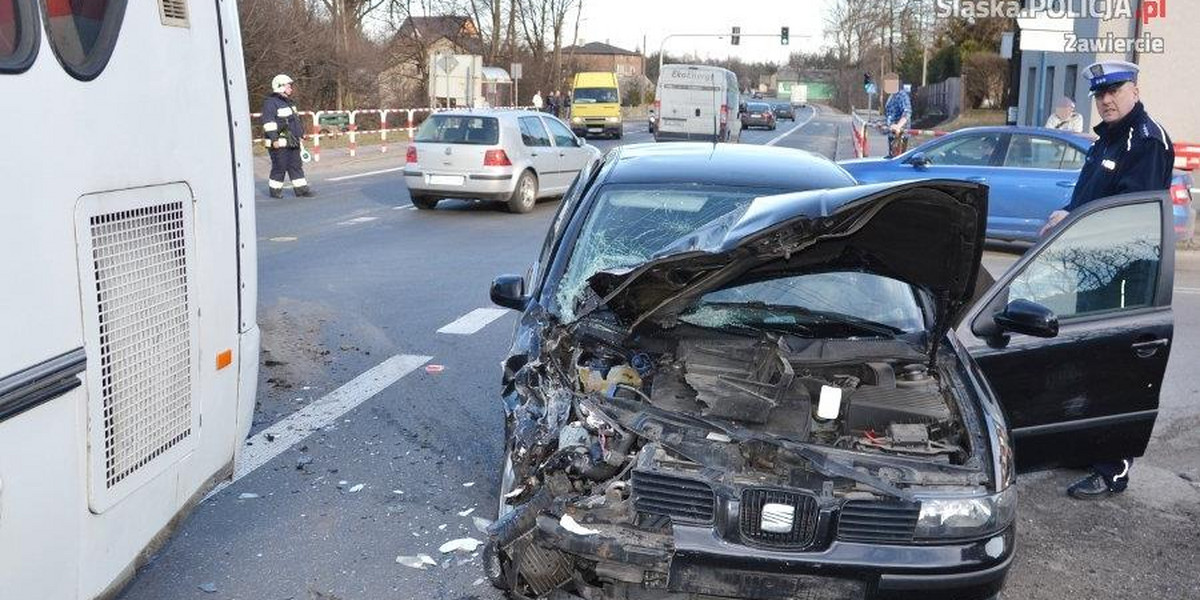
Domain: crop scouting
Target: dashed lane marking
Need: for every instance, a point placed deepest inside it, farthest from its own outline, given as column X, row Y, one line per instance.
column 811, row 116
column 367, row 174
column 286, row 238
column 473, row 321
column 281, row 436
column 357, row 220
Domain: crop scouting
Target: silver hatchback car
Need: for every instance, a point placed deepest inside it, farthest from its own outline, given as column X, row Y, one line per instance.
column 512, row 156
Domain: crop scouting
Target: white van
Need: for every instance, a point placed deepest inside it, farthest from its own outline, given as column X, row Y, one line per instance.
column 697, row 102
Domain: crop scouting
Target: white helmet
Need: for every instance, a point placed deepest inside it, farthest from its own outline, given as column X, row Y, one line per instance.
column 279, row 81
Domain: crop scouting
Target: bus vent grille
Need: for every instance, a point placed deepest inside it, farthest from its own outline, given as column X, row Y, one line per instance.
column 173, row 12
column 145, row 346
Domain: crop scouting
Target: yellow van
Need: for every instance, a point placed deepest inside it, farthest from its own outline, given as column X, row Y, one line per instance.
column 596, row 105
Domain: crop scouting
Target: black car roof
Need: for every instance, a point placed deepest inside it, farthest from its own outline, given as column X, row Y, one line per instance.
column 733, row 165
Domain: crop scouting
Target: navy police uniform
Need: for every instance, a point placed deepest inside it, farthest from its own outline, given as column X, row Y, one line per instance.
column 1134, row 154
column 281, row 121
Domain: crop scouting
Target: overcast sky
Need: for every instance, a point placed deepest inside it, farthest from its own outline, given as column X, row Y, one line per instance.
column 623, row 23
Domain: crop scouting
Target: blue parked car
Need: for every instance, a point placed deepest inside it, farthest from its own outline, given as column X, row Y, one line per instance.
column 1031, row 172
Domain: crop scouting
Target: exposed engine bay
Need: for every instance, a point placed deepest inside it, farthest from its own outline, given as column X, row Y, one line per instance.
column 615, row 445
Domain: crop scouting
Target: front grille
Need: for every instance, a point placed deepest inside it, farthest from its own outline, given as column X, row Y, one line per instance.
column 871, row 521
column 675, row 497
column 804, row 521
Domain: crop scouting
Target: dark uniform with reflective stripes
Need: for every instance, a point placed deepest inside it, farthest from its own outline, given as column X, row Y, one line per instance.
column 283, row 130
column 1131, row 155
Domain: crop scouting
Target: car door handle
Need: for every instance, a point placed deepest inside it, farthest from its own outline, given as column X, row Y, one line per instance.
column 533, row 153
column 1065, row 184
column 1149, row 348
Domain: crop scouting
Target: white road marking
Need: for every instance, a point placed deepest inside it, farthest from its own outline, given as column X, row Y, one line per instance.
column 367, row 174
column 473, row 321
column 302, row 423
column 779, row 137
column 410, row 207
column 357, row 220
column 286, row 238
column 1184, row 290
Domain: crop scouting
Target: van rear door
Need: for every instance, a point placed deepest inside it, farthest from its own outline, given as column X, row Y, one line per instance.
column 691, row 102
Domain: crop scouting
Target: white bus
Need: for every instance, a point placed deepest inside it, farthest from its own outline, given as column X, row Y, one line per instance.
column 698, row 103
column 128, row 336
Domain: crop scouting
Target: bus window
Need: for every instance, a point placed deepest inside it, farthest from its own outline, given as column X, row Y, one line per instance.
column 18, row 35
column 83, row 33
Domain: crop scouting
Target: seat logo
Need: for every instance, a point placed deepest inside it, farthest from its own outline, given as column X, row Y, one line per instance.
column 777, row 518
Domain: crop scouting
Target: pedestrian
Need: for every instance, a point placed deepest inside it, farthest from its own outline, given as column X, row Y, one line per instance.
column 898, row 113
column 555, row 103
column 537, row 100
column 283, row 134
column 1132, row 154
column 1064, row 116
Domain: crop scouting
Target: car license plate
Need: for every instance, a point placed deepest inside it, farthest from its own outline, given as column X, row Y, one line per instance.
column 445, row 179
column 595, row 129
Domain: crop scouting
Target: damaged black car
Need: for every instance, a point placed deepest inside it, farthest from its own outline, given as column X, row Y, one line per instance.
column 739, row 374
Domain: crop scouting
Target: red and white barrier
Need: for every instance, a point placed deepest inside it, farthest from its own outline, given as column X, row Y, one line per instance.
column 1187, row 156
column 930, row 132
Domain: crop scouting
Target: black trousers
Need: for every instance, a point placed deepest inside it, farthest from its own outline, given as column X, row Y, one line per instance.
column 1115, row 473
column 286, row 162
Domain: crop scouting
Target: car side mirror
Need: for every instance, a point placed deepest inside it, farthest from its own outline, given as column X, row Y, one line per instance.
column 1027, row 317
column 509, row 291
column 918, row 160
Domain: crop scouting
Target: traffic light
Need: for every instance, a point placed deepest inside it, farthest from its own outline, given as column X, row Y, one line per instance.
column 783, row 35
column 734, row 38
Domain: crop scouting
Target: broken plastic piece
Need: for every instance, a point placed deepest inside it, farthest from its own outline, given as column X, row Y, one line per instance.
column 434, row 368
column 357, row 488
column 469, row 484
column 466, row 513
column 718, row 437
column 419, row 561
column 464, row 544
column 481, row 524
column 247, row 496
column 517, row 491
column 830, row 403
column 568, row 522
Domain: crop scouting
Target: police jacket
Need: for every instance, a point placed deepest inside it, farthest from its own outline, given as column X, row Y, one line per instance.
column 1132, row 155
column 280, row 118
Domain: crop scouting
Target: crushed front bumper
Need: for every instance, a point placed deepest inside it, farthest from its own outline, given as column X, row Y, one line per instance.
column 692, row 562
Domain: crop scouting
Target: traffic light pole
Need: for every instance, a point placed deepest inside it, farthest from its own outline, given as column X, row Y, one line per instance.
column 663, row 44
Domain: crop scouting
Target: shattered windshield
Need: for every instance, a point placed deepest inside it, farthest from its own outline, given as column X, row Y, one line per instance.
column 628, row 225
column 835, row 304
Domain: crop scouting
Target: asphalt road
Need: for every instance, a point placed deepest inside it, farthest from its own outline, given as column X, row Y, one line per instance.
column 355, row 285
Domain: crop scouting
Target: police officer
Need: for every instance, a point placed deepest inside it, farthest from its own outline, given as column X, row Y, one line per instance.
column 283, row 131
column 1133, row 154
column 898, row 112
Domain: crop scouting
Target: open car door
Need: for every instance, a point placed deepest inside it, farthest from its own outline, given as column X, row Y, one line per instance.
column 1074, row 338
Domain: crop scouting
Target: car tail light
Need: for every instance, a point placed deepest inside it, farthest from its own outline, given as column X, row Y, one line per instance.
column 1180, row 194
column 724, row 114
column 496, row 158
column 411, row 155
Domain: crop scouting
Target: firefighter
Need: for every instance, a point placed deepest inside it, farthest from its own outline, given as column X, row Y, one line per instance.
column 283, row 133
column 1133, row 154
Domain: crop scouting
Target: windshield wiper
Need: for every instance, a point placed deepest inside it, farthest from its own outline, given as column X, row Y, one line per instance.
column 863, row 324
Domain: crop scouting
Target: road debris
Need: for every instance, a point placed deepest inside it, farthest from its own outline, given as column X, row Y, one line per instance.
column 481, row 524
column 432, row 369
column 208, row 587
column 357, row 488
column 463, row 544
column 469, row 484
column 466, row 513
column 247, row 496
column 420, row 561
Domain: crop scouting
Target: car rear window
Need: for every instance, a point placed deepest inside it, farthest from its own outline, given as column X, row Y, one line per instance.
column 758, row 107
column 459, row 129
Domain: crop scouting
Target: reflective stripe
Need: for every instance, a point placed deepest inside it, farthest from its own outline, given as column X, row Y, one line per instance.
column 270, row 126
column 1129, row 142
column 284, row 112
column 275, row 185
column 299, row 182
column 1122, row 473
column 1162, row 133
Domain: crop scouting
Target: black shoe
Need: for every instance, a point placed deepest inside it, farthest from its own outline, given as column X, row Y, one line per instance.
column 304, row 192
column 276, row 193
column 1092, row 487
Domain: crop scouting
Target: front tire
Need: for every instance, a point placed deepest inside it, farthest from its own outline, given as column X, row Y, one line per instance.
column 524, row 196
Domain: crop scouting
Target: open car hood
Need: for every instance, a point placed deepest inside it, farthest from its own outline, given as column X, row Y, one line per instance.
column 928, row 233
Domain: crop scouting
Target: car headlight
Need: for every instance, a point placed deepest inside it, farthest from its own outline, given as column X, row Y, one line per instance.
column 966, row 517
column 576, row 119
column 612, row 119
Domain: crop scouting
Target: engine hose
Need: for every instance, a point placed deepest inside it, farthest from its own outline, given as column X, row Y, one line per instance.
column 521, row 519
